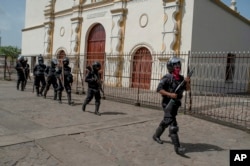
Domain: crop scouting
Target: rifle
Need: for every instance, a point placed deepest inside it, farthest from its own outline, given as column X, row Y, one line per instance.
column 176, row 102
column 89, row 68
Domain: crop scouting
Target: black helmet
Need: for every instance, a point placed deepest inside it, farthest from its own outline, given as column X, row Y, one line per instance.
column 96, row 66
column 172, row 62
column 20, row 58
column 40, row 58
column 54, row 62
column 26, row 59
column 66, row 61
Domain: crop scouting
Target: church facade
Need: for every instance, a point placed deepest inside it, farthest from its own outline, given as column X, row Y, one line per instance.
column 105, row 30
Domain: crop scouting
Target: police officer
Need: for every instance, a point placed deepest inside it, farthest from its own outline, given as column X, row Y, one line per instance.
column 93, row 79
column 65, row 73
column 166, row 88
column 50, row 72
column 20, row 72
column 26, row 70
column 39, row 73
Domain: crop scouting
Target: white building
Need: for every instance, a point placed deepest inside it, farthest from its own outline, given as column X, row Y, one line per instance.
column 55, row 28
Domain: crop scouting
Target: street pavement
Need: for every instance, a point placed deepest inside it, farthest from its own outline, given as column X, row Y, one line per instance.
column 41, row 132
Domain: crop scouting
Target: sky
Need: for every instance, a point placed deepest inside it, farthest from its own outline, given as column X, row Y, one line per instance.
column 12, row 19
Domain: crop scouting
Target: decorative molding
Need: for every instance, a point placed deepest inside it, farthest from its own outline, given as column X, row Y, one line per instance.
column 143, row 21
column 34, row 27
column 95, row 15
column 121, row 10
column 62, row 31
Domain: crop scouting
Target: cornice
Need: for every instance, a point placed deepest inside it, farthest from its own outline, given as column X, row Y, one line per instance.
column 120, row 10
column 77, row 19
column 63, row 12
column 33, row 27
column 97, row 5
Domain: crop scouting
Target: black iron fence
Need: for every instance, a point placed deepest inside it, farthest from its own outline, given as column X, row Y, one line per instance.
column 7, row 67
column 220, row 85
column 221, row 88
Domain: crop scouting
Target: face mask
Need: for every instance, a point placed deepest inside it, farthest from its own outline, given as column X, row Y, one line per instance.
column 176, row 72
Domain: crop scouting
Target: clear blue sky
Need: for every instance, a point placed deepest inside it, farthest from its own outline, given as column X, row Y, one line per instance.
column 12, row 13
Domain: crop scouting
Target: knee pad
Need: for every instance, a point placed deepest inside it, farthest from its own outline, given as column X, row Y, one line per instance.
column 68, row 91
column 163, row 125
column 173, row 129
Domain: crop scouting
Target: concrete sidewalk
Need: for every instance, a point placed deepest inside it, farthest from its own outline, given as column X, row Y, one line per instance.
column 38, row 131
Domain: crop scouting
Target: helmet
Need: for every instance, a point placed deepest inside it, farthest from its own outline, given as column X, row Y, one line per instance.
column 96, row 66
column 172, row 62
column 66, row 61
column 26, row 59
column 40, row 59
column 54, row 62
column 20, row 58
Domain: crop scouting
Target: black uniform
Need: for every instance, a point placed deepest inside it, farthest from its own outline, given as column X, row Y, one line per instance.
column 169, row 84
column 26, row 70
column 20, row 73
column 39, row 73
column 65, row 73
column 51, row 74
column 93, row 79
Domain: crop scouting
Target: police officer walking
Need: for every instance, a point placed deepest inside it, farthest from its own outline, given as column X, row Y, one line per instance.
column 50, row 72
column 93, row 79
column 67, row 79
column 20, row 73
column 166, row 88
column 26, row 71
column 39, row 73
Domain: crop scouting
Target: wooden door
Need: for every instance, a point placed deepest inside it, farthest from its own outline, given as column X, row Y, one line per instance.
column 142, row 66
column 96, row 46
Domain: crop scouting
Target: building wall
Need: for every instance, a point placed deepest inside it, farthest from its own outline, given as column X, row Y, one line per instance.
column 160, row 26
column 217, row 29
column 34, row 13
column 32, row 43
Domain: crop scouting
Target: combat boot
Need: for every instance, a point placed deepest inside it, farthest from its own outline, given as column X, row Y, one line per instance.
column 97, row 106
column 179, row 150
column 42, row 89
column 18, row 84
column 84, row 106
column 37, row 92
column 157, row 135
column 70, row 102
column 60, row 97
column 175, row 140
column 55, row 95
column 45, row 93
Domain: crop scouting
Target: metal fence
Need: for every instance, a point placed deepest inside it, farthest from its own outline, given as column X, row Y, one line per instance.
column 220, row 85
column 221, row 88
column 7, row 67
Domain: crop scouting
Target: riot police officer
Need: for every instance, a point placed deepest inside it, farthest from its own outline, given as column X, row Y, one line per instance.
column 39, row 73
column 166, row 88
column 66, row 75
column 93, row 79
column 26, row 70
column 50, row 72
column 20, row 72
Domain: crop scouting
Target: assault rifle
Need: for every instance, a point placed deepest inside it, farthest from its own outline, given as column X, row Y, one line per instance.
column 89, row 68
column 176, row 102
